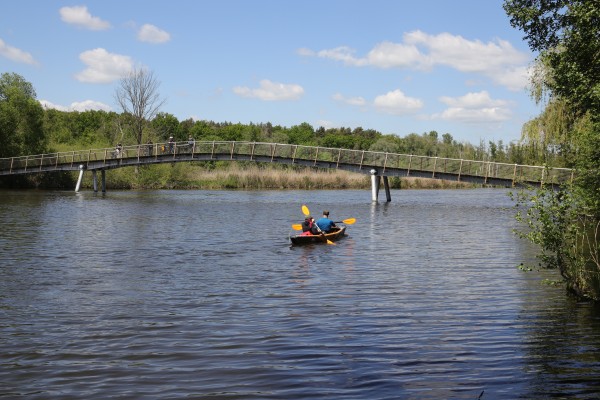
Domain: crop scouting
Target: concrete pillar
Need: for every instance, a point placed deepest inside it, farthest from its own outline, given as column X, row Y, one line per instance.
column 374, row 185
column 95, row 179
column 81, row 169
column 103, row 173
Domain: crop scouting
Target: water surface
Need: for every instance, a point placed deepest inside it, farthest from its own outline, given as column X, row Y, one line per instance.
column 198, row 294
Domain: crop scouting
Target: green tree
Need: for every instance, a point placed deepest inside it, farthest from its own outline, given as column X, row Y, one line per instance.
column 567, row 78
column 165, row 125
column 302, row 134
column 21, row 118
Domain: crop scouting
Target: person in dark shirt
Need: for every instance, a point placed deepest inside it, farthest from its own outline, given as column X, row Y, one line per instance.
column 308, row 226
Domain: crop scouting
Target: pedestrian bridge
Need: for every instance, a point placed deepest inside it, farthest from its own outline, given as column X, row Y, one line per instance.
column 379, row 165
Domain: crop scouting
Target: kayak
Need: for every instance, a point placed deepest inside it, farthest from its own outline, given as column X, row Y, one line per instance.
column 307, row 239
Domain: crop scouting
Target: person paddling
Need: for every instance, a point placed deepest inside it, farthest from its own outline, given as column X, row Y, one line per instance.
column 308, row 226
column 324, row 224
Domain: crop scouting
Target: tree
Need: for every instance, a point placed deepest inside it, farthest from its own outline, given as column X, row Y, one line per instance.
column 165, row 125
column 21, row 118
column 137, row 95
column 567, row 76
column 566, row 34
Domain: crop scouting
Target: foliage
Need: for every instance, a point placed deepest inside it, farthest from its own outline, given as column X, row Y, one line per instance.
column 21, row 118
column 567, row 78
column 568, row 239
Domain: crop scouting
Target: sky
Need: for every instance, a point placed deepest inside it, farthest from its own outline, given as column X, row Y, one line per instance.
column 396, row 66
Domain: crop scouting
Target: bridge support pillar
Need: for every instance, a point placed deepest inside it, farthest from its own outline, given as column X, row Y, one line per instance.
column 103, row 175
column 386, row 185
column 81, row 170
column 95, row 179
column 375, row 185
column 375, row 181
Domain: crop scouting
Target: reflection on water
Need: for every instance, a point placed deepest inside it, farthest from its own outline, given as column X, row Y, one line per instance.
column 162, row 294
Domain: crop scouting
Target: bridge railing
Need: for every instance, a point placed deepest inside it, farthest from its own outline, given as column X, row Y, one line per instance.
column 333, row 156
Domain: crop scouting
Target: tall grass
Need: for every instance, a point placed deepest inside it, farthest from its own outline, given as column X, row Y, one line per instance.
column 252, row 176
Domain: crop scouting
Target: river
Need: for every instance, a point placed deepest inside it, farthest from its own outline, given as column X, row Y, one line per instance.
column 198, row 294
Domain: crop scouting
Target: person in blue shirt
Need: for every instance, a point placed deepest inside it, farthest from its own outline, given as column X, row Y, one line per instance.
column 324, row 223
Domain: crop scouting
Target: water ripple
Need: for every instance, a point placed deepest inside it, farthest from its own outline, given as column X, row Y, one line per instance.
column 199, row 295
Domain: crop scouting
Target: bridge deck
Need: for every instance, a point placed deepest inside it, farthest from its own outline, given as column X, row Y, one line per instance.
column 359, row 161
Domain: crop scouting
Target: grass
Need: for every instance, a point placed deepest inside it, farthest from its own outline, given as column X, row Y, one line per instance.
column 252, row 176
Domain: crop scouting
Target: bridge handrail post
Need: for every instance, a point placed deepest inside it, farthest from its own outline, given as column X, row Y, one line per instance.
column 316, row 156
column 273, row 151
column 434, row 167
column 362, row 157
column 542, row 180
column 514, row 180
column 41, row 161
column 410, row 156
column 105, row 156
column 232, row 149
column 337, row 164
column 385, row 161
column 294, row 154
column 72, row 158
column 460, row 170
column 88, row 158
column 252, row 152
column 486, row 171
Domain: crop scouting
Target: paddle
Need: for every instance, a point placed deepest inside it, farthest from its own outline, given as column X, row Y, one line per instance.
column 307, row 213
column 349, row 221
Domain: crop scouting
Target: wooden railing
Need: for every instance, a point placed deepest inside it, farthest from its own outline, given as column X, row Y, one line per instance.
column 361, row 161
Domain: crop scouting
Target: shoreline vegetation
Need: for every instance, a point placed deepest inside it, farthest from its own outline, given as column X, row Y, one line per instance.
column 252, row 177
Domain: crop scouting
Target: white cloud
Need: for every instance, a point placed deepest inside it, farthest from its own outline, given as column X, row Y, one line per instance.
column 497, row 60
column 152, row 34
column 353, row 101
column 77, row 106
column 397, row 103
column 80, row 16
column 271, row 91
column 475, row 108
column 103, row 67
column 14, row 54
column 473, row 100
column 344, row 54
column 389, row 55
column 482, row 115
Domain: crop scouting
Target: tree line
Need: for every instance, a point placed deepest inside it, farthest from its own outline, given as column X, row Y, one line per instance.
column 28, row 128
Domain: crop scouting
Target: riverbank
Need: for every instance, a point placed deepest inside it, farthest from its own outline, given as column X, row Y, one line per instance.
column 253, row 177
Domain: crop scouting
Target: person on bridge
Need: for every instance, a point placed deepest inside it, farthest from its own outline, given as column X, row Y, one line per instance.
column 324, row 223
column 118, row 150
column 171, row 144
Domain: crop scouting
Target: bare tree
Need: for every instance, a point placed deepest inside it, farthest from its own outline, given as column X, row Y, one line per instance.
column 137, row 94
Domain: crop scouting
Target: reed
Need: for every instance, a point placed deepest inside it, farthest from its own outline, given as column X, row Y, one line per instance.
column 251, row 176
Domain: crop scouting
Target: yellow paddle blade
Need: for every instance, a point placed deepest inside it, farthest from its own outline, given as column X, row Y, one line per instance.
column 297, row 227
column 305, row 210
column 349, row 221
